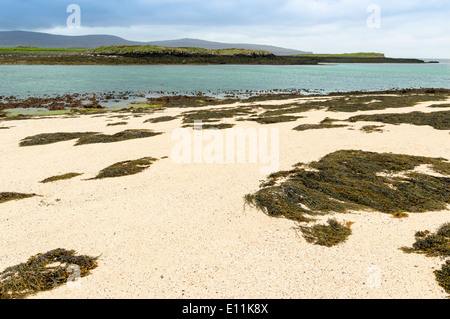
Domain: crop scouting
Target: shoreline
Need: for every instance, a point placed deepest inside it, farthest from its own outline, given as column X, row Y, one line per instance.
column 97, row 59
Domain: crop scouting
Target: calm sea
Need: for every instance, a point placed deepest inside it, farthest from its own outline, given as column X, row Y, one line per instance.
column 37, row 80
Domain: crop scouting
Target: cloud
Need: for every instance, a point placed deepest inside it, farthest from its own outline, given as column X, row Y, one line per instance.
column 417, row 27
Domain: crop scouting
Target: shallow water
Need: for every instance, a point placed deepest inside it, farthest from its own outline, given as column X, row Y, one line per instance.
column 37, row 80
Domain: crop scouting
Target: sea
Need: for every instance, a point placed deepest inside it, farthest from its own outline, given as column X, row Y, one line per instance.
column 38, row 80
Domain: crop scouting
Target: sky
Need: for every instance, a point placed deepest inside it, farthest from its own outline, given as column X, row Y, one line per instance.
column 400, row 28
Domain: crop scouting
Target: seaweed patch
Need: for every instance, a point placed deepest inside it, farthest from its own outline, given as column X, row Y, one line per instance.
column 350, row 180
column 50, row 138
column 7, row 196
column 126, row 168
column 432, row 245
column 161, row 119
column 60, row 177
column 435, row 245
column 438, row 120
column 118, row 137
column 43, row 272
column 326, row 235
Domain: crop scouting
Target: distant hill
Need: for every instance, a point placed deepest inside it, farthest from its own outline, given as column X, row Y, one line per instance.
column 218, row 45
column 45, row 40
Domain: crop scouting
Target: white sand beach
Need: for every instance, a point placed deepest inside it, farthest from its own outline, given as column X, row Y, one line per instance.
column 182, row 230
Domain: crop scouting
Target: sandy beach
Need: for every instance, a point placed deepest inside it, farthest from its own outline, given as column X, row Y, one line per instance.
column 182, row 230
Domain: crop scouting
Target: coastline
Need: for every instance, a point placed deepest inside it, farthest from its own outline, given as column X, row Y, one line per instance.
column 91, row 59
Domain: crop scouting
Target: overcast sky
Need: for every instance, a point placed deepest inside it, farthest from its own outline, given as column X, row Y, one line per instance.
column 405, row 28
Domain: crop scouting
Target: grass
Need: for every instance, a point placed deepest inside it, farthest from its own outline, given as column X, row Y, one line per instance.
column 43, row 272
column 348, row 55
column 126, row 168
column 352, row 180
column 437, row 120
column 7, row 196
column 326, row 235
column 187, row 51
column 118, row 137
column 60, row 177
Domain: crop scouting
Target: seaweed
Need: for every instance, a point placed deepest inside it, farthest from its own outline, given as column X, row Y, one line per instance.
column 117, row 124
column 125, row 168
column 214, row 115
column 350, row 180
column 325, row 124
column 161, row 119
column 326, row 235
column 275, row 119
column 374, row 102
column 372, row 129
column 305, row 127
column 432, row 245
column 8, row 196
column 43, row 272
column 50, row 138
column 439, row 105
column 219, row 126
column 443, row 276
column 437, row 120
column 118, row 137
column 60, row 177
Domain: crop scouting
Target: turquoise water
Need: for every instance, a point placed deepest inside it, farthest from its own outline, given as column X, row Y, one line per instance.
column 24, row 80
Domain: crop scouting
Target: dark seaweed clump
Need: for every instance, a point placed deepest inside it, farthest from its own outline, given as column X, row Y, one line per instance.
column 275, row 119
column 326, row 235
column 443, row 276
column 432, row 245
column 435, row 245
column 161, row 119
column 60, row 177
column 50, row 138
column 117, row 124
column 6, row 197
column 326, row 123
column 219, row 126
column 353, row 180
column 43, row 272
column 437, row 120
column 121, row 136
column 372, row 129
column 126, row 168
column 214, row 115
column 440, row 105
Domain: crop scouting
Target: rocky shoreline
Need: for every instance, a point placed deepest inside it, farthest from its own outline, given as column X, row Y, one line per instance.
column 71, row 58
